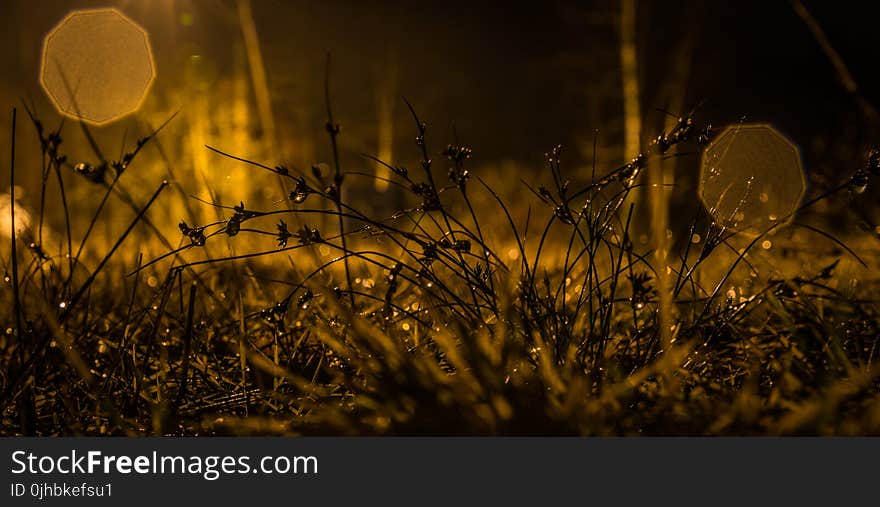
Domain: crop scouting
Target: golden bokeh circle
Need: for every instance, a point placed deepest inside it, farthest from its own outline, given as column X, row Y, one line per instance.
column 751, row 178
column 97, row 65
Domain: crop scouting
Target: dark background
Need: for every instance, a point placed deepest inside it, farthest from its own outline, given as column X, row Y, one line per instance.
column 515, row 79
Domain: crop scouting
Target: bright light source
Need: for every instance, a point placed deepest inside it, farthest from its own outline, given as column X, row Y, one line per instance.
column 97, row 65
column 751, row 178
column 22, row 217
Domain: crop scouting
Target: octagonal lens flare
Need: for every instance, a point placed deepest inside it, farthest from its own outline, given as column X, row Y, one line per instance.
column 97, row 65
column 751, row 178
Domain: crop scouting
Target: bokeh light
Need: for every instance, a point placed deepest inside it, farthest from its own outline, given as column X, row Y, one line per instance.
column 22, row 217
column 97, row 65
column 751, row 178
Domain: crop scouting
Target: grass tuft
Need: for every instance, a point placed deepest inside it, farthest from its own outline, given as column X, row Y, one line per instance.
column 459, row 313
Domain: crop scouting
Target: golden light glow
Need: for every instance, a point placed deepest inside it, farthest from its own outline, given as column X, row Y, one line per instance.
column 751, row 178
column 22, row 217
column 97, row 65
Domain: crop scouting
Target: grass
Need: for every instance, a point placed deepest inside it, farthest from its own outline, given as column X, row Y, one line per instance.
column 458, row 314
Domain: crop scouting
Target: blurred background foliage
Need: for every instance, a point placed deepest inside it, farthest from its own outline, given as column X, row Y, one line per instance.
column 512, row 80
